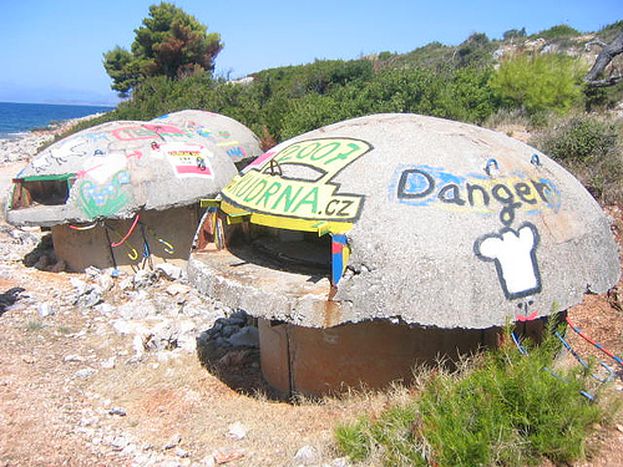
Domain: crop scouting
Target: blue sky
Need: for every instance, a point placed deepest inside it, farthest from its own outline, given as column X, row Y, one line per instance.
column 52, row 49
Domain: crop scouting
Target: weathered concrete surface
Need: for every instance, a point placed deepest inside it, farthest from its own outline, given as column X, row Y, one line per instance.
column 168, row 234
column 315, row 362
column 433, row 238
column 117, row 168
column 240, row 143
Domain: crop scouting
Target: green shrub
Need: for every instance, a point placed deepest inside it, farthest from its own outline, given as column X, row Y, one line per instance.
column 514, row 34
column 539, row 83
column 560, row 31
column 507, row 409
column 591, row 148
column 609, row 32
column 582, row 138
column 476, row 51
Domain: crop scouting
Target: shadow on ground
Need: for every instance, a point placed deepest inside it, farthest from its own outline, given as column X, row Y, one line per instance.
column 220, row 351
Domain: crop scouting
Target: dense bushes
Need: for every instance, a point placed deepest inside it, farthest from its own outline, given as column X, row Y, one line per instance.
column 284, row 102
column 591, row 148
column 506, row 410
column 458, row 83
column 539, row 83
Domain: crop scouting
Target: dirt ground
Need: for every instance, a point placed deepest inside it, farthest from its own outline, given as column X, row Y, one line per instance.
column 73, row 392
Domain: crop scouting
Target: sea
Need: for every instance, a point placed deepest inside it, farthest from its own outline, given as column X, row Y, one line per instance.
column 17, row 119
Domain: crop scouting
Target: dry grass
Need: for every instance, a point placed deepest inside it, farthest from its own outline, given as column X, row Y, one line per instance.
column 181, row 396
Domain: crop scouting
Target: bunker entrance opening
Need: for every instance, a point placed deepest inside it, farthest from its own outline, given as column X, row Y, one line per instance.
column 290, row 249
column 257, row 253
column 47, row 191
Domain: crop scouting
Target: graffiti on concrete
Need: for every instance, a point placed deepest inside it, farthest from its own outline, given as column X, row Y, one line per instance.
column 514, row 254
column 189, row 160
column 146, row 131
column 296, row 181
column 102, row 200
column 512, row 250
column 425, row 185
column 237, row 152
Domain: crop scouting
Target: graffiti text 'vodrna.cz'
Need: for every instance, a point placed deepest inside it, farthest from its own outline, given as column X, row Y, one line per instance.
column 272, row 184
column 424, row 185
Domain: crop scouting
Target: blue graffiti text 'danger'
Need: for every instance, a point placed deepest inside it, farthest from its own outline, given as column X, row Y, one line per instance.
column 423, row 185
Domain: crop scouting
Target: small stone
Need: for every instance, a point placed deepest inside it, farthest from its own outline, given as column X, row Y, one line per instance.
column 179, row 452
column 85, row 373
column 229, row 330
column 340, row 462
column 619, row 427
column 307, row 455
column 170, row 271
column 126, row 283
column 119, row 442
column 224, row 455
column 28, row 359
column 109, row 363
column 138, row 344
column 73, row 358
column 120, row 411
column 177, row 289
column 144, row 278
column 60, row 266
column 104, row 308
column 42, row 262
column 105, row 282
column 88, row 421
column 237, row 431
column 45, row 310
column 92, row 272
column 248, row 336
column 173, row 441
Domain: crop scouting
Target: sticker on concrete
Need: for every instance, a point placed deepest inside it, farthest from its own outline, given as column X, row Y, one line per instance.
column 296, row 181
column 189, row 160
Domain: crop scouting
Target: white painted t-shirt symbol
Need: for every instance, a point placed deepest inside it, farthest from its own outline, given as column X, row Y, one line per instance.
column 515, row 261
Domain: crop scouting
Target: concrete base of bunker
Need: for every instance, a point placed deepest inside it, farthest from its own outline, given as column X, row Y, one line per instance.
column 372, row 354
column 168, row 234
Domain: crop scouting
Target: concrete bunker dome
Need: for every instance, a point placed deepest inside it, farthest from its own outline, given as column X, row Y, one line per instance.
column 90, row 185
column 238, row 141
column 400, row 218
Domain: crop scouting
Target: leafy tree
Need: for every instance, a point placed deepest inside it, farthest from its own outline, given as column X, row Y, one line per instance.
column 477, row 51
column 170, row 42
column 514, row 34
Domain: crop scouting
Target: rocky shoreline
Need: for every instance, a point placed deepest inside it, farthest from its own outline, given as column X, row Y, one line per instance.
column 23, row 147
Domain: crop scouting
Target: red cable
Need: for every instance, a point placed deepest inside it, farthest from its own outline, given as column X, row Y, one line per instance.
column 595, row 344
column 129, row 234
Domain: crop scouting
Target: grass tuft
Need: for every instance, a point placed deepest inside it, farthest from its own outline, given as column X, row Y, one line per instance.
column 34, row 326
column 502, row 408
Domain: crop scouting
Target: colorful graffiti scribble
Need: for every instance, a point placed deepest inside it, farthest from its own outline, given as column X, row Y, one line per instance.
column 340, row 253
column 104, row 199
column 271, row 188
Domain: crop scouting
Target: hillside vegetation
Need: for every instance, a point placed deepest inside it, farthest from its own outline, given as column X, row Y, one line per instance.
column 536, row 81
